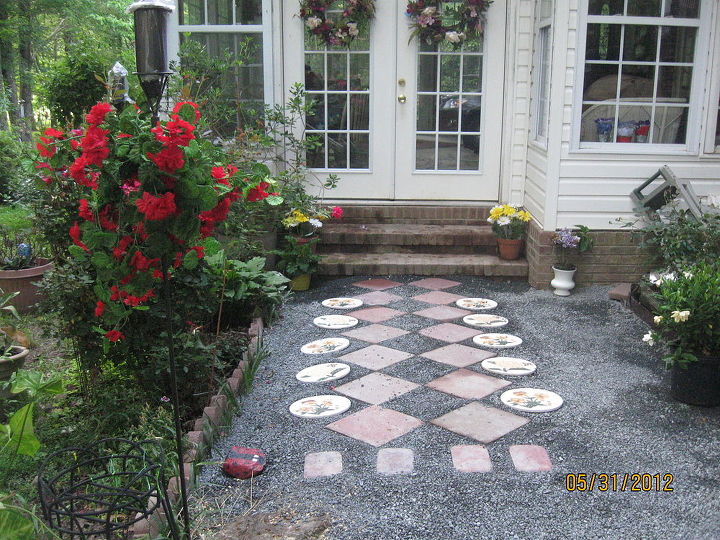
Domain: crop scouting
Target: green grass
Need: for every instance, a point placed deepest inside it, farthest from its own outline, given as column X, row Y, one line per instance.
column 15, row 218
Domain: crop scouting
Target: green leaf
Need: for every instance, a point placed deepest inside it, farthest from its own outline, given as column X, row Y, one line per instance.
column 15, row 526
column 260, row 169
column 274, row 200
column 23, row 435
column 77, row 252
column 190, row 261
column 211, row 245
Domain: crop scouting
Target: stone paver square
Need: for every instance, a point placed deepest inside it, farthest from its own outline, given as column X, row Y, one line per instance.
column 376, row 388
column 468, row 384
column 376, row 357
column 378, row 298
column 530, row 458
column 434, row 284
column 395, row 461
column 377, row 284
column 442, row 313
column 458, row 355
column 437, row 297
column 375, row 425
column 376, row 314
column 321, row 464
column 471, row 458
column 484, row 424
column 375, row 333
column 452, row 333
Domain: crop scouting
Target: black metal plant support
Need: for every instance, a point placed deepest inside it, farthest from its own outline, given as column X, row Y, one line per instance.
column 151, row 23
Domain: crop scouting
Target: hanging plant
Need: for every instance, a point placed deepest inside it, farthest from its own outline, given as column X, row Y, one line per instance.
column 338, row 29
column 454, row 23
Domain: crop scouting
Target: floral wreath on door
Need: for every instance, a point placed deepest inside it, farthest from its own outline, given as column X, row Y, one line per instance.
column 453, row 22
column 339, row 28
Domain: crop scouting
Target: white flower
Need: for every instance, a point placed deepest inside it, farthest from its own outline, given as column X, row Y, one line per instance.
column 315, row 223
column 352, row 29
column 452, row 37
column 712, row 200
column 428, row 11
column 680, row 316
column 688, row 275
column 313, row 22
column 490, row 220
column 503, row 220
column 648, row 338
column 657, row 319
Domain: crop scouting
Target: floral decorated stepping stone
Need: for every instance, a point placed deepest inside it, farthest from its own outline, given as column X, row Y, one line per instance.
column 485, row 320
column 497, row 341
column 320, row 406
column 323, row 372
column 531, row 400
column 342, row 303
column 476, row 303
column 327, row 345
column 335, row 322
column 506, row 365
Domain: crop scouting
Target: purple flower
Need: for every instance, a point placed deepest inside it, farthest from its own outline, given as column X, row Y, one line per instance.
column 566, row 239
column 165, row 399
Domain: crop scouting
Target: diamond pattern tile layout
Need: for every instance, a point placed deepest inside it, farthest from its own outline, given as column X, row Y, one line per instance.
column 484, row 424
column 434, row 284
column 378, row 298
column 376, row 314
column 375, row 333
column 458, row 355
column 437, row 297
column 376, row 388
column 376, row 357
column 377, row 284
column 442, row 313
column 468, row 384
column 452, row 333
column 375, row 425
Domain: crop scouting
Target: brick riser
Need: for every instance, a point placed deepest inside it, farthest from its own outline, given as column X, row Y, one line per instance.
column 427, row 250
column 418, row 215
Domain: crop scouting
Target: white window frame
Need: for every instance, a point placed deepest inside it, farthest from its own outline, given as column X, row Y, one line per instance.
column 542, row 73
column 695, row 103
column 265, row 29
column 712, row 149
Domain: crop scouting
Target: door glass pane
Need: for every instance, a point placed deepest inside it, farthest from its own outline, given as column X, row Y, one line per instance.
column 248, row 11
column 359, row 151
column 425, row 152
column 450, row 73
column 192, row 12
column 359, row 72
column 337, row 150
column 427, row 73
column 447, row 152
column 449, row 113
column 472, row 73
column 470, row 110
column 359, row 112
column 314, row 72
column 316, row 118
column 426, row 116
column 470, row 153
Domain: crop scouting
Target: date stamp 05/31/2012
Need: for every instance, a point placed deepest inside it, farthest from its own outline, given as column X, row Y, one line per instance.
column 630, row 482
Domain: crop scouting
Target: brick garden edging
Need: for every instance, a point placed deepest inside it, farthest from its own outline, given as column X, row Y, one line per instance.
column 206, row 429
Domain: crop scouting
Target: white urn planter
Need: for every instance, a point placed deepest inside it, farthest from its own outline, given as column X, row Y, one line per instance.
column 563, row 281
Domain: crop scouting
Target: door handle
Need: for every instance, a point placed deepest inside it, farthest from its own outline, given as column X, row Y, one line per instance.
column 402, row 98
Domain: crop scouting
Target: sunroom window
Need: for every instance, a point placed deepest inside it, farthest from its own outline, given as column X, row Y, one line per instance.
column 541, row 77
column 639, row 66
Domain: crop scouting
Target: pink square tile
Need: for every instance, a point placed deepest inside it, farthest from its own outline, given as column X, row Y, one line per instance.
column 375, row 425
column 530, row 458
column 458, row 355
column 376, row 388
column 321, row 464
column 437, row 297
column 395, row 461
column 442, row 313
column 376, row 357
column 377, row 284
column 378, row 298
column 468, row 384
column 375, row 333
column 376, row 314
column 452, row 333
column 471, row 458
column 484, row 424
column 434, row 284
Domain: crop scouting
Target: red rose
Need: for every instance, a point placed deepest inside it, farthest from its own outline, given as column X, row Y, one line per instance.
column 337, row 212
column 157, row 208
column 46, row 150
column 95, row 146
column 114, row 335
column 54, row 133
column 97, row 114
column 199, row 250
column 121, row 249
column 99, row 308
column 169, row 159
column 85, row 212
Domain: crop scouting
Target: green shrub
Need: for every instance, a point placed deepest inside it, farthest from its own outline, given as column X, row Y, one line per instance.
column 12, row 172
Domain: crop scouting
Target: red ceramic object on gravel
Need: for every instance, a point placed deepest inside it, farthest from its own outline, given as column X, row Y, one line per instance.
column 244, row 463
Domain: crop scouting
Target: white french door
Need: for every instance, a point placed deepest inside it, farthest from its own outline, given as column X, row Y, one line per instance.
column 402, row 120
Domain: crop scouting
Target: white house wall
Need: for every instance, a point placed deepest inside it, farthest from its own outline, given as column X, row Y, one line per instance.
column 535, row 182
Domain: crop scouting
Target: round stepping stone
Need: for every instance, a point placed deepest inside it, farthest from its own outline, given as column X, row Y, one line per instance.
column 476, row 303
column 323, row 372
column 320, row 406
column 327, row 345
column 497, row 341
column 342, row 303
column 335, row 322
column 531, row 400
column 485, row 320
column 506, row 365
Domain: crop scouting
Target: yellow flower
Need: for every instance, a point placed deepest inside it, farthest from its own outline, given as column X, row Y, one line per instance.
column 524, row 215
column 680, row 316
column 496, row 212
column 509, row 210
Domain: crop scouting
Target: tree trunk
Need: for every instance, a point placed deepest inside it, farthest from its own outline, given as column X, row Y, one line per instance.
column 7, row 64
column 25, row 49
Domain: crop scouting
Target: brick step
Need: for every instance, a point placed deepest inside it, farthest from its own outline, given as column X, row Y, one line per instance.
column 426, row 215
column 421, row 264
column 406, row 238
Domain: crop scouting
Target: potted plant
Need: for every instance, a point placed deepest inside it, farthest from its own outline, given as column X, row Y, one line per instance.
column 509, row 223
column 21, row 267
column 12, row 355
column 305, row 222
column 567, row 242
column 298, row 261
column 687, row 324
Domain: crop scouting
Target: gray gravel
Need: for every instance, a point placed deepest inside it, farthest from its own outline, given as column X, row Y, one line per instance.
column 618, row 417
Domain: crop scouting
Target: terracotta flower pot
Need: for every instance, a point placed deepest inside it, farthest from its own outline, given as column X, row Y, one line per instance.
column 22, row 281
column 300, row 283
column 509, row 248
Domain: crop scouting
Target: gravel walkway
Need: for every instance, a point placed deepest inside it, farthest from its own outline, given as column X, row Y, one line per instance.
column 617, row 418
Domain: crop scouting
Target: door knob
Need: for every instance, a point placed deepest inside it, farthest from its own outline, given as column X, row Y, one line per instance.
column 402, row 98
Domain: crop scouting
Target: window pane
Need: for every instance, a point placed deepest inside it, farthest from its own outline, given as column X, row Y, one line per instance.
column 359, row 151
column 315, row 72
column 220, row 12
column 640, row 43
column 670, row 125
column 603, row 42
column 426, row 113
column 316, row 120
column 449, row 108
column 470, row 111
column 337, row 151
column 337, row 111
column 472, row 73
column 644, row 8
column 674, row 83
column 637, row 82
column 606, row 7
column 447, row 152
column 427, row 73
column 688, row 9
column 337, row 71
column 425, row 152
column 248, row 11
column 316, row 155
column 469, row 153
column 450, row 73
column 677, row 44
column 600, row 82
column 359, row 72
column 192, row 12
column 634, row 124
